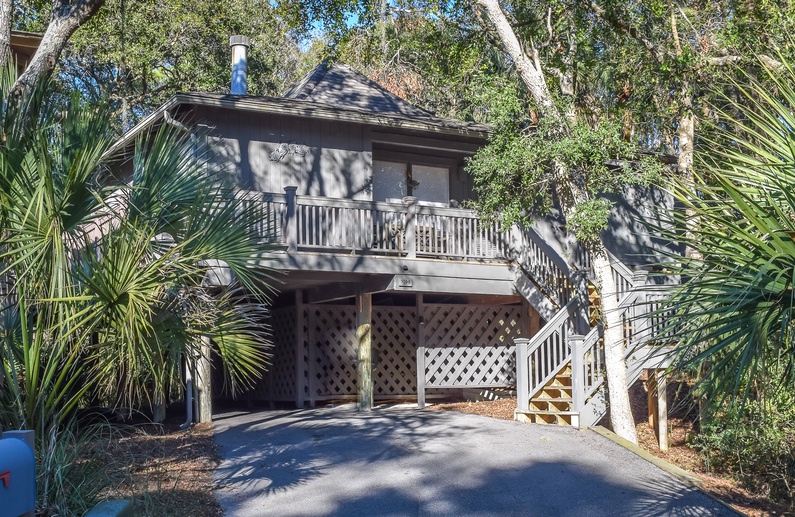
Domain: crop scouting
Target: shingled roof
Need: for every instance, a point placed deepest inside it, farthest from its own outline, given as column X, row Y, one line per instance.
column 341, row 85
column 330, row 92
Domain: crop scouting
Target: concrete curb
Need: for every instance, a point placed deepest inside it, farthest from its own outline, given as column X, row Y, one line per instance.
column 673, row 470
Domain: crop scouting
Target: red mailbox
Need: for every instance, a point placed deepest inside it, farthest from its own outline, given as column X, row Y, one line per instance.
column 17, row 477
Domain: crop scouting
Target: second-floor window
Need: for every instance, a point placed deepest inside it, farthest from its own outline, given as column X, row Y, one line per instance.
column 392, row 181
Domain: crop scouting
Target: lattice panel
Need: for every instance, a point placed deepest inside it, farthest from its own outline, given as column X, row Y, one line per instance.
column 395, row 337
column 283, row 368
column 333, row 351
column 469, row 345
column 278, row 382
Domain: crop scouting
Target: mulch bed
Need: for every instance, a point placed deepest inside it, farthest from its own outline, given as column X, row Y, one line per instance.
column 164, row 470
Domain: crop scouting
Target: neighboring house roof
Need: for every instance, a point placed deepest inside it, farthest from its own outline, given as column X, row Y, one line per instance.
column 23, row 46
column 335, row 92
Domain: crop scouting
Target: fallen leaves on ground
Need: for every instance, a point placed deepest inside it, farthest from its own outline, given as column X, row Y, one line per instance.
column 166, row 471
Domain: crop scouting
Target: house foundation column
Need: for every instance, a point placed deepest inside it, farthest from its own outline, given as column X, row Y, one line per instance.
column 204, row 372
column 300, row 354
column 420, row 352
column 364, row 314
column 658, row 406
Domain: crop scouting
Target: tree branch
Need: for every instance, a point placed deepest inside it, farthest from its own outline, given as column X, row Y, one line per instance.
column 625, row 28
column 6, row 21
column 529, row 70
column 66, row 17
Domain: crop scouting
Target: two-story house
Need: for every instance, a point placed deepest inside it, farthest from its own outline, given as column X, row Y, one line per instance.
column 392, row 290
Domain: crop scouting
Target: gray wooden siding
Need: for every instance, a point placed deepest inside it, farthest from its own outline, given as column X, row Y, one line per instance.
column 627, row 237
column 269, row 152
column 322, row 157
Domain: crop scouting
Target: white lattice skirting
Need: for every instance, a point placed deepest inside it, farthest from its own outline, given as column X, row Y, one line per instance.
column 464, row 346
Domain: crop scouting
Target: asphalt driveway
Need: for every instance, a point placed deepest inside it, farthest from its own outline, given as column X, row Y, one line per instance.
column 399, row 461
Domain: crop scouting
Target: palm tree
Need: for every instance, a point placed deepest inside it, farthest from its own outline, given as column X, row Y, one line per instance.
column 733, row 314
column 107, row 280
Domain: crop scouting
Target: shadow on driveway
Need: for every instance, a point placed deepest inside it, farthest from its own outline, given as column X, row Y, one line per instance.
column 404, row 462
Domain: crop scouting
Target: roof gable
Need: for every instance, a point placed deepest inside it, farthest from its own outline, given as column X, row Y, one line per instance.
column 341, row 85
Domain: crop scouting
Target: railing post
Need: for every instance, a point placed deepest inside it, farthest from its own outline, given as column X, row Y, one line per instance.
column 411, row 226
column 522, row 374
column 420, row 351
column 576, row 342
column 290, row 223
column 580, row 280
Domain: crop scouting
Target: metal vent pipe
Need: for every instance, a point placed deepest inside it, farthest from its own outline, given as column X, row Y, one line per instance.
column 240, row 46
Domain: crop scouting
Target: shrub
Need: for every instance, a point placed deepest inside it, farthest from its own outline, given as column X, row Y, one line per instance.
column 755, row 443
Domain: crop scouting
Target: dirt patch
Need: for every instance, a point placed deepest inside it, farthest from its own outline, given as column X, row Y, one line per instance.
column 164, row 470
column 679, row 453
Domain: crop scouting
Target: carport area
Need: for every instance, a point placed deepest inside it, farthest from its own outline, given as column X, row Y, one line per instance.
column 400, row 461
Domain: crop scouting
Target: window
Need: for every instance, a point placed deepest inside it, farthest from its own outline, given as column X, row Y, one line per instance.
column 394, row 180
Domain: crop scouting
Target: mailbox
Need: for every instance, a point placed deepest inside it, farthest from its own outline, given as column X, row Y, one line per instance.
column 17, row 477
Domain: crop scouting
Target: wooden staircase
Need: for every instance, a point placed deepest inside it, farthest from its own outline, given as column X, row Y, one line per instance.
column 560, row 372
column 553, row 403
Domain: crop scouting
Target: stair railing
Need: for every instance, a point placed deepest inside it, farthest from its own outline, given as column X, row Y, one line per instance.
column 547, row 269
column 588, row 350
column 543, row 356
column 587, row 367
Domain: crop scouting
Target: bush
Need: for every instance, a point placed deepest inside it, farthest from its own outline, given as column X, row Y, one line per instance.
column 755, row 443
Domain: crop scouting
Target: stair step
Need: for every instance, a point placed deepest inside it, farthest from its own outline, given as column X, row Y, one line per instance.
column 555, row 388
column 544, row 412
column 551, row 399
column 552, row 407
column 546, row 417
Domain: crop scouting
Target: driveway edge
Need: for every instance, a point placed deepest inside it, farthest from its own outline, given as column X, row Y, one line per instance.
column 673, row 470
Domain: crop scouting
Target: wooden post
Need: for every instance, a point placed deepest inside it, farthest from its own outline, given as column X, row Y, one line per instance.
column 651, row 397
column 300, row 362
column 420, row 352
column 577, row 372
column 204, row 372
column 311, row 344
column 522, row 375
column 411, row 226
column 364, row 312
column 662, row 410
column 290, row 222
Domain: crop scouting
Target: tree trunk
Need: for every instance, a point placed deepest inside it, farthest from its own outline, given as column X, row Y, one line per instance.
column 6, row 21
column 65, row 20
column 570, row 194
column 687, row 130
column 158, row 406
column 204, row 371
column 529, row 70
column 621, row 419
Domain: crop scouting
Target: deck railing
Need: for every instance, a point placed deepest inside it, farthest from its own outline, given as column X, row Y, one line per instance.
column 636, row 311
column 311, row 223
column 546, row 267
